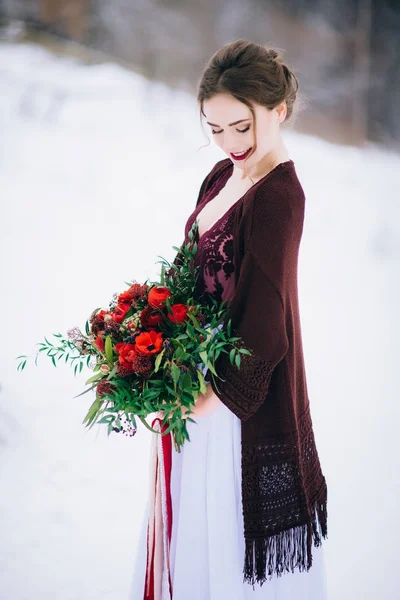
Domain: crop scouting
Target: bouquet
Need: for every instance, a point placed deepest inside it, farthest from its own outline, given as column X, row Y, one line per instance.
column 150, row 350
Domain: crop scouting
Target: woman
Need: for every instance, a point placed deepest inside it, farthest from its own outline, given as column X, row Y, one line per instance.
column 248, row 495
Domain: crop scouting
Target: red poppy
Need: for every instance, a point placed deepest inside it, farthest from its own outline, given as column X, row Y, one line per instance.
column 149, row 342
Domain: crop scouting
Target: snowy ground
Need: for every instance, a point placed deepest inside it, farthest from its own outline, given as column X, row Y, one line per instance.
column 99, row 170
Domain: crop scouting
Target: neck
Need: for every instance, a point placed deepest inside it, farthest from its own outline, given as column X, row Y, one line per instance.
column 264, row 165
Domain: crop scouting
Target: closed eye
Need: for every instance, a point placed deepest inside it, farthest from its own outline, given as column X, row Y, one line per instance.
column 239, row 130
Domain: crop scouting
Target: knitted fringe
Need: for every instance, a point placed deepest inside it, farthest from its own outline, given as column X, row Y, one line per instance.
column 286, row 550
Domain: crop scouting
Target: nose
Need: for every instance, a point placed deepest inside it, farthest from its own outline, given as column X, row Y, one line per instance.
column 231, row 142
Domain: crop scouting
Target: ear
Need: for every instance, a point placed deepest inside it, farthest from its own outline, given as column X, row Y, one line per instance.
column 281, row 111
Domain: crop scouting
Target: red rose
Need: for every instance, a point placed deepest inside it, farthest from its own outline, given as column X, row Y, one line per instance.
column 149, row 342
column 120, row 311
column 99, row 342
column 150, row 318
column 127, row 354
column 158, row 295
column 179, row 313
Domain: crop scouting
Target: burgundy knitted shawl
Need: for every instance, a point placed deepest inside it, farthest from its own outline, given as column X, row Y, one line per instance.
column 284, row 492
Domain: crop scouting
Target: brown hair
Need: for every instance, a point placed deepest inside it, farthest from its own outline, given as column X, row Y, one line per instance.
column 251, row 73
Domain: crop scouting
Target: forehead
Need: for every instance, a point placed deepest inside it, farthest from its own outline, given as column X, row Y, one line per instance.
column 224, row 108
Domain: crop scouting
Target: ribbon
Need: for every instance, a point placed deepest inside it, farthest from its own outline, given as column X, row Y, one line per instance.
column 158, row 583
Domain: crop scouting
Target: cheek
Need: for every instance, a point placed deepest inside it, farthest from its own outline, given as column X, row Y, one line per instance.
column 218, row 140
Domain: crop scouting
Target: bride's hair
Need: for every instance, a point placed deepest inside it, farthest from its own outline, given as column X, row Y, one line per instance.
column 251, row 73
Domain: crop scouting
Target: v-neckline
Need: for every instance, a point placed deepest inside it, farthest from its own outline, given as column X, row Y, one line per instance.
column 210, row 196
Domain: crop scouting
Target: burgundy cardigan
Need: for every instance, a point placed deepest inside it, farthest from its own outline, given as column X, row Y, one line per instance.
column 284, row 492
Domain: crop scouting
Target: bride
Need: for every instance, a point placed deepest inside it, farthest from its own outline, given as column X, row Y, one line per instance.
column 247, row 496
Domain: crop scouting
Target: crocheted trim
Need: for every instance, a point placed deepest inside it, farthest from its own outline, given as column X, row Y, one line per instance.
column 242, row 390
column 287, row 550
column 284, row 497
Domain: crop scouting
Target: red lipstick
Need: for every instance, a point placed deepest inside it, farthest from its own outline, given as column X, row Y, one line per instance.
column 242, row 157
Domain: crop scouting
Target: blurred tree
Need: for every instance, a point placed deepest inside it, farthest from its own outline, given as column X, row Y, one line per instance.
column 70, row 16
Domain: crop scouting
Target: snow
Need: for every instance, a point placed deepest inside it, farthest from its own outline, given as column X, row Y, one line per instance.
column 99, row 169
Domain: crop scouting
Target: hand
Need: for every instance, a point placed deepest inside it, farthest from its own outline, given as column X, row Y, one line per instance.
column 205, row 404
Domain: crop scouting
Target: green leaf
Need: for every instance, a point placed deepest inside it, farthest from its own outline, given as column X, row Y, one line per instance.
column 107, row 419
column 108, row 348
column 94, row 378
column 86, row 391
column 168, row 305
column 228, row 329
column 244, row 351
column 186, row 381
column 203, row 387
column 204, row 357
column 194, row 320
column 210, row 366
column 158, row 361
column 175, row 372
column 237, row 360
column 178, row 352
column 93, row 410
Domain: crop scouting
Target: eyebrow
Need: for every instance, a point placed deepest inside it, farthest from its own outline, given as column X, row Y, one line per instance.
column 230, row 124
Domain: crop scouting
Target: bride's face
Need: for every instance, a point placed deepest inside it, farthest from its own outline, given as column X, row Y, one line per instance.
column 232, row 127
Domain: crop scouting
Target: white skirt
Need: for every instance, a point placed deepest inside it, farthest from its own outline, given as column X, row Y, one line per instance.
column 207, row 544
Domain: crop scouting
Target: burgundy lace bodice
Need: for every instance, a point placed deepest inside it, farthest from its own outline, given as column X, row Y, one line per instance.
column 214, row 255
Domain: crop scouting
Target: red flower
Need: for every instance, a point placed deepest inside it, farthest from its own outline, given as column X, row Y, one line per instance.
column 142, row 364
column 105, row 387
column 137, row 291
column 158, row 295
column 120, row 311
column 97, row 321
column 99, row 342
column 179, row 313
column 124, row 298
column 127, row 354
column 100, row 315
column 149, row 342
column 150, row 318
